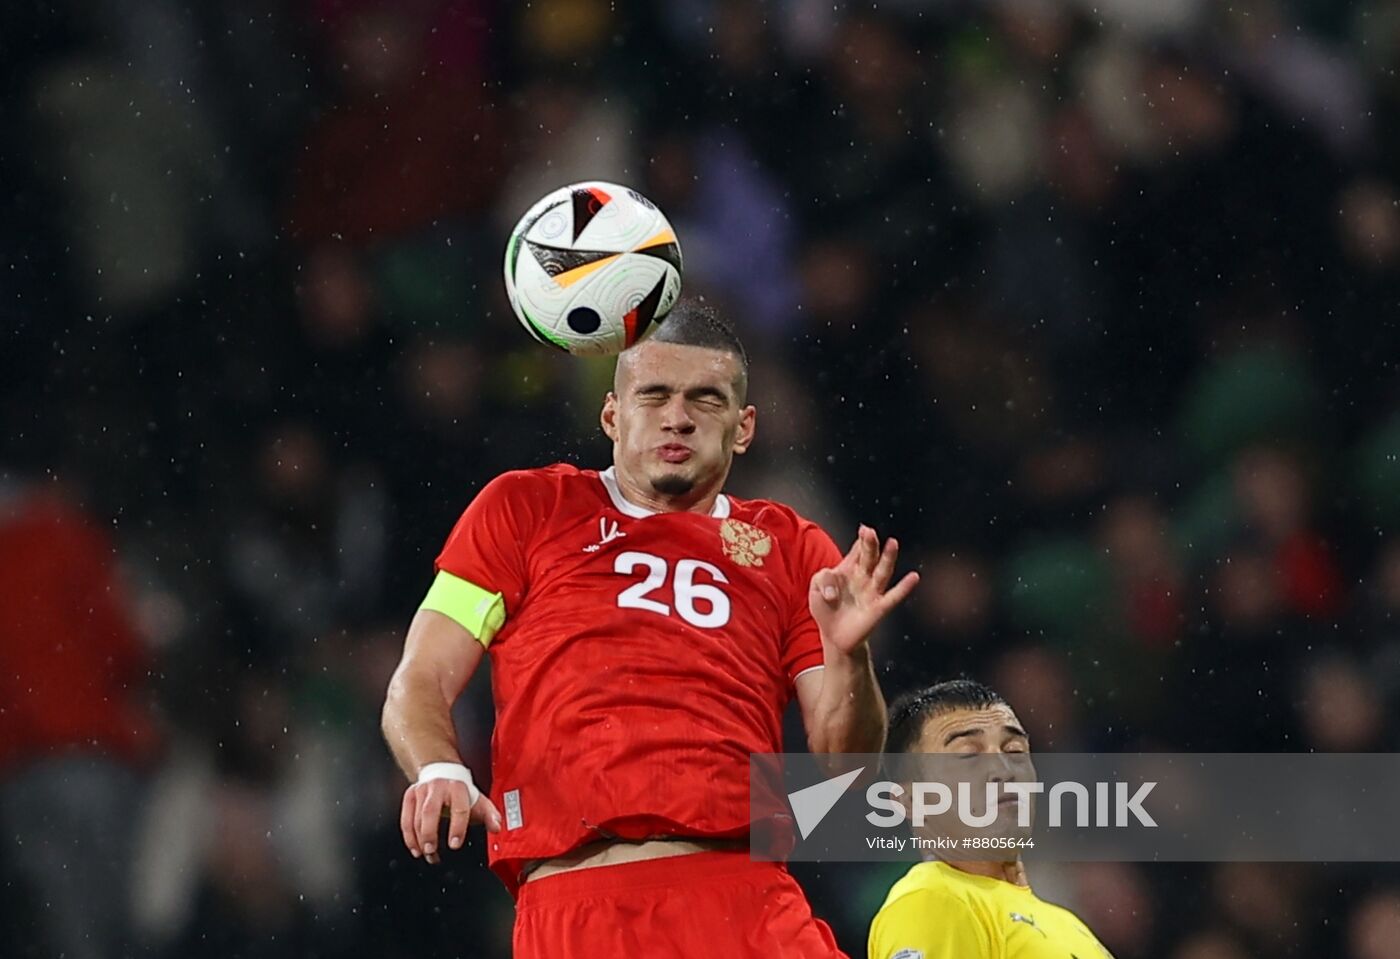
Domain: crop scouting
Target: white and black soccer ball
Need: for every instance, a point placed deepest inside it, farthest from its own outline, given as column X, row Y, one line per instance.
column 592, row 268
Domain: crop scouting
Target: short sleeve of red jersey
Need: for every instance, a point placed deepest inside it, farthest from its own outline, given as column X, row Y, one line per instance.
column 487, row 547
column 802, row 647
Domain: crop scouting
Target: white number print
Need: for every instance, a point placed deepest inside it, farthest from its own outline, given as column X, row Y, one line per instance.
column 635, row 596
column 686, row 590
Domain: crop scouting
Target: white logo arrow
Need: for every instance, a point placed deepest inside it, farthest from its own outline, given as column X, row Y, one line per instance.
column 811, row 804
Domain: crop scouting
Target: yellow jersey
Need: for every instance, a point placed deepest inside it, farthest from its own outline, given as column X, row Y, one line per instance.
column 939, row 912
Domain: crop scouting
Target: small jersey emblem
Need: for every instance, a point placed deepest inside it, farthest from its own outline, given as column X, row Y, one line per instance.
column 908, row 954
column 1028, row 920
column 744, row 543
column 607, row 532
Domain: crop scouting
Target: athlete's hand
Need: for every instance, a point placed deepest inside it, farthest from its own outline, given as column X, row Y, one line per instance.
column 849, row 599
column 425, row 805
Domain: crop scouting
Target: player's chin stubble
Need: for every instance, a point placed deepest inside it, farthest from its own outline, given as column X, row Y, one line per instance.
column 672, row 484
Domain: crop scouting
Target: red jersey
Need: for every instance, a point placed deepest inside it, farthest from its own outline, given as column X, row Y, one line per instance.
column 644, row 656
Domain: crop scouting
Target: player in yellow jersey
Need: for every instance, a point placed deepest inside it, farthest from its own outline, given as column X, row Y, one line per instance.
column 952, row 909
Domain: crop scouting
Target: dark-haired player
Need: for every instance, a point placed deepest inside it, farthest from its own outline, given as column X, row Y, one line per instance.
column 645, row 633
column 974, row 909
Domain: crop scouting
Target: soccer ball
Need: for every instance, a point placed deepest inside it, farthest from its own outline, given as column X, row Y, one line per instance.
column 592, row 268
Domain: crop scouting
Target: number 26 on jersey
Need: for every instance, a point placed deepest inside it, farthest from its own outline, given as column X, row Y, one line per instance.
column 713, row 605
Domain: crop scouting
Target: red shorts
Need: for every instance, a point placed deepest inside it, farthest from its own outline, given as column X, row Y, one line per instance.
column 706, row 904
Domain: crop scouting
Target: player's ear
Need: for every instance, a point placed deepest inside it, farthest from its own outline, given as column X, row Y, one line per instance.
column 608, row 418
column 743, row 437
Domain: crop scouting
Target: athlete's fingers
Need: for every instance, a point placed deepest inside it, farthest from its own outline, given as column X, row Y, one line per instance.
column 459, row 814
column 900, row 592
column 884, row 569
column 869, row 549
column 486, row 813
column 828, row 584
column 408, row 820
column 430, row 818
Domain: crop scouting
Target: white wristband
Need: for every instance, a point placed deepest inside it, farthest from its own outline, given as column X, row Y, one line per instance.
column 450, row 771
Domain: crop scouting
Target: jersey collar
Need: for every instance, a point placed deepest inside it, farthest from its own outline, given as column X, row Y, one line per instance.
column 609, row 477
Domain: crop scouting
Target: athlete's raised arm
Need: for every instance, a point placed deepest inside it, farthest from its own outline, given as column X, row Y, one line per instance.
column 842, row 708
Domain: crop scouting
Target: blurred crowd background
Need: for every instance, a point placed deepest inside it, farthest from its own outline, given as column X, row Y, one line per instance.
column 1092, row 304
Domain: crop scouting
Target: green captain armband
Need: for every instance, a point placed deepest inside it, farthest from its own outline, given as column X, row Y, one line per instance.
column 467, row 605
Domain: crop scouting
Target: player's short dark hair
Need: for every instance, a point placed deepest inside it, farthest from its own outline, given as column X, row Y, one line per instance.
column 693, row 322
column 911, row 711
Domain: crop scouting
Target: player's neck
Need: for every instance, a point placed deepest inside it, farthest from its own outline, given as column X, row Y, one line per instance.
column 641, row 494
column 1013, row 871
